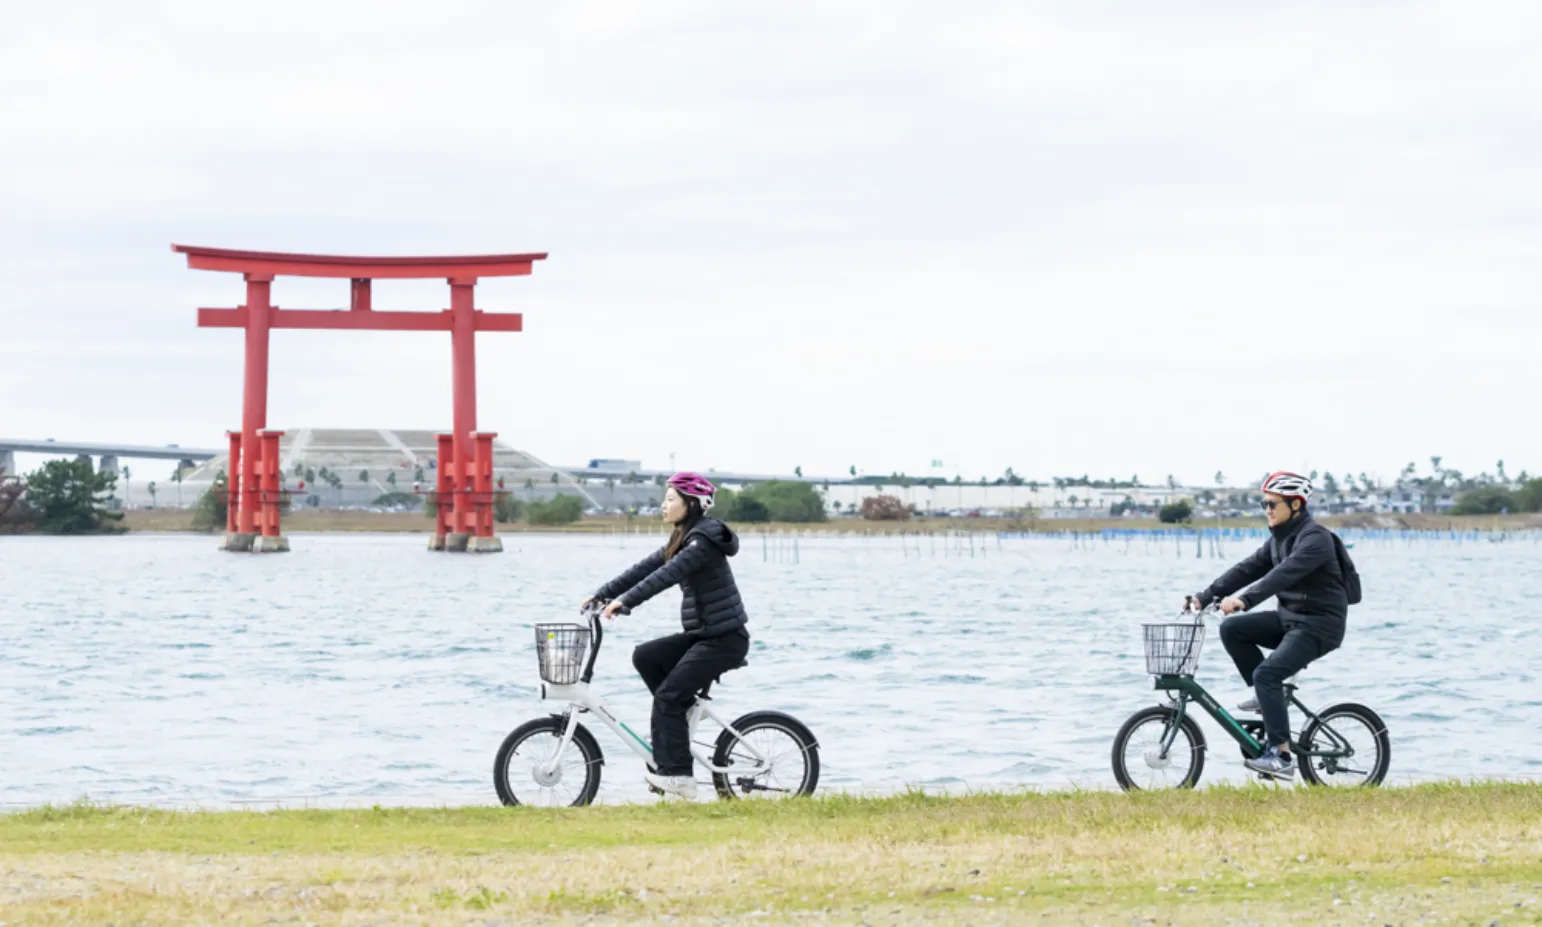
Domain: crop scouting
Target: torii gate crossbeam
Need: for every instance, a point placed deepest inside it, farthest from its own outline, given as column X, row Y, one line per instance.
column 464, row 480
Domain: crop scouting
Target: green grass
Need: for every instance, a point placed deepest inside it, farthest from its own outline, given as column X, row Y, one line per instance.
column 1443, row 851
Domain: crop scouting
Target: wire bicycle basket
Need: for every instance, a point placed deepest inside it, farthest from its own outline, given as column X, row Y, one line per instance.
column 1173, row 649
column 560, row 650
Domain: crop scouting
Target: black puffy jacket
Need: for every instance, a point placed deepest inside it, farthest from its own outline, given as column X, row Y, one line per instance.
column 712, row 606
column 1299, row 566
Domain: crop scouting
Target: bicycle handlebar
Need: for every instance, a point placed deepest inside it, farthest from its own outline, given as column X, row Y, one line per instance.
column 1213, row 610
column 596, row 634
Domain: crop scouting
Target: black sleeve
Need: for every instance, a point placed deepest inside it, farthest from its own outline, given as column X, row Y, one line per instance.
column 634, row 573
column 1312, row 550
column 690, row 559
column 1252, row 568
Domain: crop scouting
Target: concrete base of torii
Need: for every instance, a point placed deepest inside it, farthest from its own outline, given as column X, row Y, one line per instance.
column 465, row 543
column 236, row 542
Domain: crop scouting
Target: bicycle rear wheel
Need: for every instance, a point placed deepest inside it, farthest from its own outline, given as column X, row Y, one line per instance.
column 1345, row 746
column 787, row 763
column 1137, row 755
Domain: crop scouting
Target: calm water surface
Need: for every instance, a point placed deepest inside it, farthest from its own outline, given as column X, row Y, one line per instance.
column 363, row 669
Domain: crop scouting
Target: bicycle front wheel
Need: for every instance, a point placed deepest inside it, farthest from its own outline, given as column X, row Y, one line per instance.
column 524, row 772
column 774, row 756
column 1345, row 746
column 1139, row 762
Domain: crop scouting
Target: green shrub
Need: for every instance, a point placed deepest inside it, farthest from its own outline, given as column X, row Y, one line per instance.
column 507, row 509
column 1175, row 512
column 777, row 500
column 562, row 510
column 396, row 500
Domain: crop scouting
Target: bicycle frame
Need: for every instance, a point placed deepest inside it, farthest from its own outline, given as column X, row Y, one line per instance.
column 585, row 699
column 579, row 695
column 1190, row 691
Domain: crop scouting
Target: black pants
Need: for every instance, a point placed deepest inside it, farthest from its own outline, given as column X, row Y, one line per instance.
column 675, row 668
column 1243, row 635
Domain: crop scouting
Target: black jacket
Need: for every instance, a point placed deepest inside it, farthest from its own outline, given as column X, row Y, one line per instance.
column 1299, row 566
column 712, row 606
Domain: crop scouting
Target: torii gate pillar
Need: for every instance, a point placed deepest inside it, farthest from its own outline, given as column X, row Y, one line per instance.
column 465, row 464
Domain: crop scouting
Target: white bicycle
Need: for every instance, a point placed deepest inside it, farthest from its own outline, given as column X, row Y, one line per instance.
column 555, row 761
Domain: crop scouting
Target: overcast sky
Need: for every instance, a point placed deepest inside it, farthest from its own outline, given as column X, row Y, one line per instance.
column 1114, row 238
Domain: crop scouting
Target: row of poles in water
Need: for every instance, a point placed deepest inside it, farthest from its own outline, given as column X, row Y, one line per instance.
column 785, row 546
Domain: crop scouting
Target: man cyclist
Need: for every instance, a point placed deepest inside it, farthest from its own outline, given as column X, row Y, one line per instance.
column 1299, row 566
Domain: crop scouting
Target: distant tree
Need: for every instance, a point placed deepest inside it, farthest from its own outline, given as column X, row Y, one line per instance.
column 299, row 469
column 798, row 472
column 69, row 497
column 391, row 479
column 151, row 487
column 885, row 508
column 853, row 471
column 529, row 488
column 1175, row 512
column 1486, row 500
column 1529, row 497
column 364, row 476
column 211, row 511
column 1220, row 478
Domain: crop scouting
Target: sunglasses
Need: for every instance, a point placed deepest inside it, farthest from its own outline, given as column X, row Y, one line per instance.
column 1270, row 506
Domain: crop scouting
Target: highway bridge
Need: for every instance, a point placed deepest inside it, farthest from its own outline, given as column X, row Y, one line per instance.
column 107, row 454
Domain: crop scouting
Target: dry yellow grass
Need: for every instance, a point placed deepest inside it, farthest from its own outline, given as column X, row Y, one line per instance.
column 1431, row 854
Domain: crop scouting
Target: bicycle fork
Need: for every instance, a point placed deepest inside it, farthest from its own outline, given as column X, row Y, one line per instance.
column 1174, row 725
column 569, row 724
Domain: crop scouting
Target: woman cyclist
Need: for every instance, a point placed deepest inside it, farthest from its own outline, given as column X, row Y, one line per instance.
column 714, row 640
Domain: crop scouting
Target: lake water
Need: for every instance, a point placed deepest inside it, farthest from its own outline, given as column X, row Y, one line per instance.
column 363, row 669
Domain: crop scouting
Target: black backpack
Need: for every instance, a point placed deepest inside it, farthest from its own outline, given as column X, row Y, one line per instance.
column 1347, row 569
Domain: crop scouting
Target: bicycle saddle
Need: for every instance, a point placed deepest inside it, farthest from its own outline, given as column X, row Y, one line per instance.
column 719, row 678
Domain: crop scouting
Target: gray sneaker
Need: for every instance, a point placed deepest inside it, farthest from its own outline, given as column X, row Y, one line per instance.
column 1273, row 764
column 1250, row 705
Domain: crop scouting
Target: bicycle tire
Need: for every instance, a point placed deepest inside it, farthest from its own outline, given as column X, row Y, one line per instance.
column 588, row 749
column 1189, row 730
column 1365, row 716
column 730, row 787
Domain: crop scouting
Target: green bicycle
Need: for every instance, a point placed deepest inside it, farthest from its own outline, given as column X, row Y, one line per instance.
column 1162, row 747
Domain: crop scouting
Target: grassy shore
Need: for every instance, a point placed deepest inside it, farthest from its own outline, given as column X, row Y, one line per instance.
column 180, row 520
column 1432, row 853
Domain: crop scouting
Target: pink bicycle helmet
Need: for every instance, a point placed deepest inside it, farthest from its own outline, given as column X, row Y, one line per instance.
column 694, row 485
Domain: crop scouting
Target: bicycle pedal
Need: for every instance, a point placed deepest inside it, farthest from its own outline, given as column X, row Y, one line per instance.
column 655, row 789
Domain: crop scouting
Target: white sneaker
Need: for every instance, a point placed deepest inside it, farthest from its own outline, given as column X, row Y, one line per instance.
column 1249, row 705
column 678, row 786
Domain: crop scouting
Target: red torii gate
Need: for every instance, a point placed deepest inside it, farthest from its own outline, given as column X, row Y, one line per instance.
column 465, row 462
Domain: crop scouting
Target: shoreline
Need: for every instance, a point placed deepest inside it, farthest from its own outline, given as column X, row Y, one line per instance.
column 1447, row 852
column 179, row 521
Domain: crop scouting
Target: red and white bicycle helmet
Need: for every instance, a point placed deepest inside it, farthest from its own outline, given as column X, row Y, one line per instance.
column 1287, row 484
column 694, row 485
